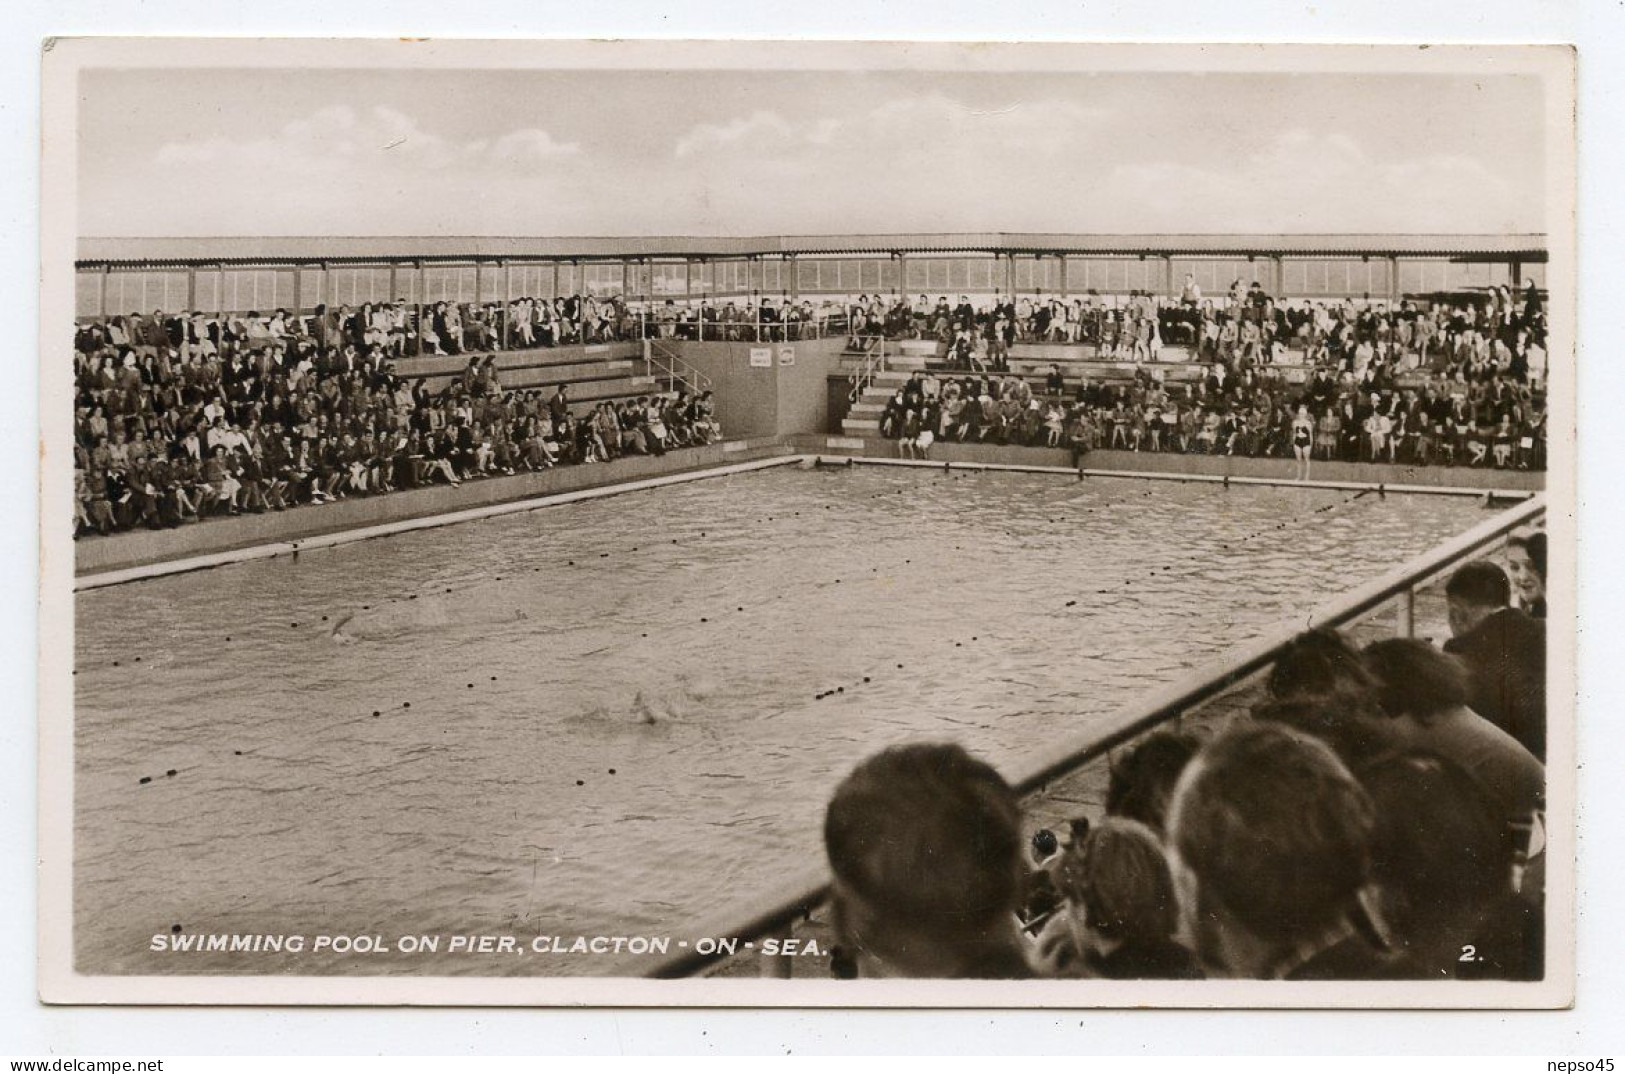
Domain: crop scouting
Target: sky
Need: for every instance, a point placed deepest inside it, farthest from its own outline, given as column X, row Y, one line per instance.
column 596, row 152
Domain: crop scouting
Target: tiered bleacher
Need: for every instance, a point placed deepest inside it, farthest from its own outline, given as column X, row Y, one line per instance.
column 182, row 416
column 1421, row 383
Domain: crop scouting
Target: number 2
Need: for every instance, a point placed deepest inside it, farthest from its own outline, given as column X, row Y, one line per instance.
column 1469, row 953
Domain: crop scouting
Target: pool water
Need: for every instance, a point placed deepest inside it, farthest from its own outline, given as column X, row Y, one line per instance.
column 625, row 715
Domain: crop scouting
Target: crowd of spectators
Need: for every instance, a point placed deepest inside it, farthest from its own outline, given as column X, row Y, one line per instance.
column 1357, row 381
column 177, row 417
column 398, row 329
column 1376, row 816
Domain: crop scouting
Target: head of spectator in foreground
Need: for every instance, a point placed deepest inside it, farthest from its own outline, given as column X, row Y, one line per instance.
column 1474, row 593
column 1319, row 663
column 1526, row 563
column 1269, row 843
column 1445, row 881
column 1415, row 680
column 1121, row 908
column 1140, row 785
column 925, row 845
column 1320, row 685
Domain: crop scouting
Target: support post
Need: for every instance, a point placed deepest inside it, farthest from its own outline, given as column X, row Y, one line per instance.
column 1405, row 614
column 417, row 268
column 506, row 312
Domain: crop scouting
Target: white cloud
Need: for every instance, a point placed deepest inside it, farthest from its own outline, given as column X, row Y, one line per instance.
column 933, row 122
column 530, row 145
column 380, row 137
column 761, row 131
column 929, row 163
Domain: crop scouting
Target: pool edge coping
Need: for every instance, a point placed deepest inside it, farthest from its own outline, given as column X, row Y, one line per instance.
column 272, row 549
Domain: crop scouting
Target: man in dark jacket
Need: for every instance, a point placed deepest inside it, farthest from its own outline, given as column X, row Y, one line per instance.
column 1505, row 651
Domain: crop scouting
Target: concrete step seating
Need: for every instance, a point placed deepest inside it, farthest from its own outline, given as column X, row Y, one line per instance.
column 595, row 372
column 599, row 391
column 583, row 404
column 527, row 377
column 535, row 357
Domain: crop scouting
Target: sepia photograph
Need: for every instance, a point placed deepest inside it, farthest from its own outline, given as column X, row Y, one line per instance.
column 807, row 524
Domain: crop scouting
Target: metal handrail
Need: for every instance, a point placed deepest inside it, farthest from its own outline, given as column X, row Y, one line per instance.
column 874, row 363
column 676, row 370
column 808, row 891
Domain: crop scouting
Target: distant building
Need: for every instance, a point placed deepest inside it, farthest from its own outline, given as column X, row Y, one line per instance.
column 234, row 275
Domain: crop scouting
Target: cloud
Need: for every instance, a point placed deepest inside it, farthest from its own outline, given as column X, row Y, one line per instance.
column 934, row 122
column 761, row 131
column 340, row 137
column 531, row 145
column 927, row 162
column 931, row 162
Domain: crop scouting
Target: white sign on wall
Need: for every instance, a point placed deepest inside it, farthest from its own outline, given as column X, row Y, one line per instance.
column 761, row 357
column 787, row 356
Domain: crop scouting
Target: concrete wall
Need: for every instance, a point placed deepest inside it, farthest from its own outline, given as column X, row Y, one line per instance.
column 803, row 387
column 746, row 395
column 780, row 399
column 95, row 554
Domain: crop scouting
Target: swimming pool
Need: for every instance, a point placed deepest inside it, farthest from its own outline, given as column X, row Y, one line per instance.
column 622, row 715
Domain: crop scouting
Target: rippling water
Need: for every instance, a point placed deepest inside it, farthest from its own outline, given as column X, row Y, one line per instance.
column 605, row 717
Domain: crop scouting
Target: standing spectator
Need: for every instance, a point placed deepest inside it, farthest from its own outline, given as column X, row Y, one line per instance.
column 558, row 407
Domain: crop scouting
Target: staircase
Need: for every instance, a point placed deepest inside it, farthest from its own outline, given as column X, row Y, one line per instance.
column 898, row 362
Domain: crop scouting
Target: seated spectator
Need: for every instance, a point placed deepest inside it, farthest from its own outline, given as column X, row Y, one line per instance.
column 1120, row 913
column 1270, row 847
column 1504, row 650
column 925, row 846
column 1441, row 861
column 1425, row 692
column 1140, row 786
